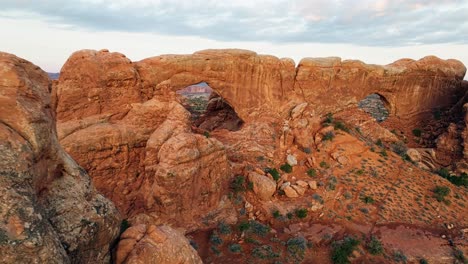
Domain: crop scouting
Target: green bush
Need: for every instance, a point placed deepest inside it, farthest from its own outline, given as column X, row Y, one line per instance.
column 417, row 132
column 379, row 143
column 296, row 248
column 399, row 148
column 398, row 256
column 461, row 180
column 329, row 118
column 368, row 199
column 276, row 214
column 244, row 226
column 235, row 248
column 328, row 136
column 286, row 168
column 301, row 213
column 375, row 246
column 312, row 172
column 264, row 252
column 124, row 225
column 341, row 126
column 224, row 228
column 238, row 184
column 341, row 250
column 274, row 173
column 440, row 192
column 258, row 228
column 215, row 238
column 324, row 164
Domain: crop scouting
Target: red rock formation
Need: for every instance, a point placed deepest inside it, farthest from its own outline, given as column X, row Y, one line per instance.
column 410, row 88
column 49, row 210
column 155, row 244
column 121, row 122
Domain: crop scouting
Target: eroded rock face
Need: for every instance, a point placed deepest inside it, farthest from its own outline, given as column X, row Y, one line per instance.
column 409, row 88
column 155, row 244
column 49, row 210
column 142, row 153
column 121, row 120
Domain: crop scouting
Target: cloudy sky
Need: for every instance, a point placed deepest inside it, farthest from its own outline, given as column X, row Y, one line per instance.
column 46, row 32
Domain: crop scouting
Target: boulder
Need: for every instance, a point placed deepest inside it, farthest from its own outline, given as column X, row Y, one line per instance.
column 263, row 186
column 155, row 244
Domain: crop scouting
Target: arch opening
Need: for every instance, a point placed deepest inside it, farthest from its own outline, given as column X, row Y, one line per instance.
column 376, row 106
column 209, row 111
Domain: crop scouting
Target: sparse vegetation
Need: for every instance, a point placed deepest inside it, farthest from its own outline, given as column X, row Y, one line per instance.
column 235, row 248
column 417, row 132
column 224, row 228
column 296, row 248
column 206, row 134
column 379, row 143
column 367, row 199
column 398, row 256
column 311, row 172
column 276, row 214
column 238, row 184
column 244, row 226
column 286, row 168
column 324, row 164
column 328, row 136
column 215, row 238
column 264, row 252
column 458, row 254
column 343, row 249
column 258, row 228
column 274, row 173
column 440, row 192
column 301, row 213
column 341, row 126
column 375, row 246
column 461, row 180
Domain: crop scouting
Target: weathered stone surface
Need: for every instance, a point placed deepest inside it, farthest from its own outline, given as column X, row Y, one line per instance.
column 410, row 88
column 49, row 210
column 290, row 192
column 263, row 186
column 155, row 244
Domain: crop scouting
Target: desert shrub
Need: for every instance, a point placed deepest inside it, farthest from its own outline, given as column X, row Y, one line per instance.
column 243, row 226
column 258, row 228
column 276, row 214
column 399, row 148
column 238, row 184
column 398, row 256
column 417, row 132
column 458, row 255
column 224, row 228
column 360, row 172
column 274, row 173
column 318, row 198
column 264, row 252
column 364, row 210
column 367, row 199
column 444, row 172
column 423, row 261
column 307, row 150
column 324, row 164
column 301, row 213
column 289, row 215
column 379, row 143
column 341, row 126
column 312, row 172
column 215, row 238
column 440, row 192
column 341, row 250
column 375, row 246
column 329, row 118
column 328, row 136
column 296, row 248
column 461, row 180
column 206, row 134
column 384, row 153
column 286, row 168
column 235, row 248
column 216, row 250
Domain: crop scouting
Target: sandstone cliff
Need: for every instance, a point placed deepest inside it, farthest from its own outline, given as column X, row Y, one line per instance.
column 49, row 210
